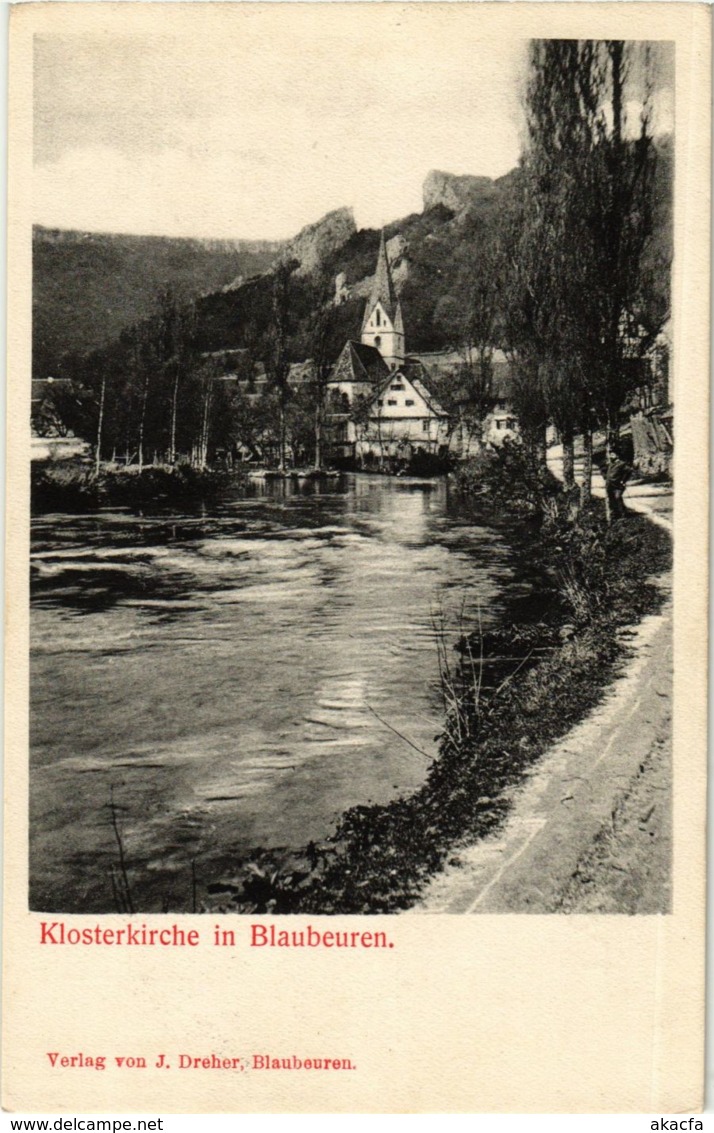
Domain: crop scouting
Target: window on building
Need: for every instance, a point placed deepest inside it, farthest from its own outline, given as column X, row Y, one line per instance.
column 380, row 403
column 425, row 426
column 398, row 387
column 391, row 401
column 376, row 317
column 408, row 401
column 377, row 340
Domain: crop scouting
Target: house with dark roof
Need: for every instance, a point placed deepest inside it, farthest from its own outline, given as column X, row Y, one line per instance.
column 403, row 417
column 236, row 366
column 358, row 370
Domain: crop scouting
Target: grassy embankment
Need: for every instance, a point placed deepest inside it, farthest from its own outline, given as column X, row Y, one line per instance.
column 509, row 695
column 69, row 486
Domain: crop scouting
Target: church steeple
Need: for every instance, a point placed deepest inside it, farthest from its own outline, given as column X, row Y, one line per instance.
column 382, row 325
column 382, row 289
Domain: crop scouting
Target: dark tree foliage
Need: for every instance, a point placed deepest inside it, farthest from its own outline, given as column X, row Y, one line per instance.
column 323, row 351
column 577, row 240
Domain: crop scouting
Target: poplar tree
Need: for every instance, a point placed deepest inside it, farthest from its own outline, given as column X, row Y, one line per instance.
column 277, row 357
column 321, row 333
column 582, row 220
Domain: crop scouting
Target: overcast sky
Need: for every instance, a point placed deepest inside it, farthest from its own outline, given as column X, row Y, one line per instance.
column 258, row 124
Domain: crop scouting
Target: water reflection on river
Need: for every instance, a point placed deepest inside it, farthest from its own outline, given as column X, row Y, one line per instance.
column 218, row 673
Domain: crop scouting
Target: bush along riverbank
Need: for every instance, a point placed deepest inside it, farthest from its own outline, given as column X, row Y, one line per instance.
column 509, row 694
column 68, row 486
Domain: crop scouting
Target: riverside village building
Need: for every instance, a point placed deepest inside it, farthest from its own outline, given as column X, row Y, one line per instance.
column 380, row 407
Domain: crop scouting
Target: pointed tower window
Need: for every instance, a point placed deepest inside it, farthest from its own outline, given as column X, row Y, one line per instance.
column 377, row 341
column 376, row 317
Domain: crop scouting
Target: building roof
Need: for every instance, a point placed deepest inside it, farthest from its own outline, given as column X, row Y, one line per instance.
column 442, row 361
column 359, row 363
column 428, row 398
column 237, row 366
column 301, row 372
column 383, row 289
column 449, row 362
column 413, row 371
column 226, row 357
column 416, row 372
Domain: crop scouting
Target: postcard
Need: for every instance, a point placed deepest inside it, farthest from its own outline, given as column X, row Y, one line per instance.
column 356, row 641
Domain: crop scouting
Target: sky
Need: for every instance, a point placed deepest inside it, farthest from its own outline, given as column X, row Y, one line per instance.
column 254, row 134
column 252, row 125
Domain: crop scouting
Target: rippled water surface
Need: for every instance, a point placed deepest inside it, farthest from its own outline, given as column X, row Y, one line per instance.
column 234, row 678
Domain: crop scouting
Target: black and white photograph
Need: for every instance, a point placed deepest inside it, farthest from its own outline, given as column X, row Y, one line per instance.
column 352, row 475
column 356, row 644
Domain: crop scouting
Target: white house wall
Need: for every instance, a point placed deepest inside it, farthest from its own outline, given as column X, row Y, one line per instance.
column 396, row 402
column 408, row 429
column 408, row 418
column 498, row 426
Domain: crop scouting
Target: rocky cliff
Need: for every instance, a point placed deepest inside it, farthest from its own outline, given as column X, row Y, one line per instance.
column 397, row 253
column 456, row 193
column 316, row 242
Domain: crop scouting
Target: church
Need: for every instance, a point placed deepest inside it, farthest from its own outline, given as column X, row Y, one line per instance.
column 380, row 407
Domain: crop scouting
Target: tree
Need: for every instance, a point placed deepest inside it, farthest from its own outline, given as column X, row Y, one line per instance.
column 360, row 411
column 322, row 354
column 276, row 348
column 583, row 220
column 67, row 407
column 525, row 314
column 144, row 365
column 468, row 318
column 300, row 424
column 466, row 393
column 202, row 389
column 177, row 331
column 100, row 421
column 618, row 203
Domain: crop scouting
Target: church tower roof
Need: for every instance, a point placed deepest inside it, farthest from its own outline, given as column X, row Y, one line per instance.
column 383, row 288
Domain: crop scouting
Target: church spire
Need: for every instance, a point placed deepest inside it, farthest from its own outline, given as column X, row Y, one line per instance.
column 383, row 289
column 382, row 326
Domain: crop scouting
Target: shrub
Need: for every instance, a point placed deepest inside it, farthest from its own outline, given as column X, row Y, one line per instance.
column 68, row 486
column 508, row 475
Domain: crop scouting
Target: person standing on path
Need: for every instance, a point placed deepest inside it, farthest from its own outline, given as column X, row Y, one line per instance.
column 617, row 473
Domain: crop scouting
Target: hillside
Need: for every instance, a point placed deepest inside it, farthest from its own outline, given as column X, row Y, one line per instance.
column 432, row 253
column 88, row 286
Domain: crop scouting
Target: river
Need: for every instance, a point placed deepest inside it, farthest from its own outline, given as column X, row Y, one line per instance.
column 214, row 680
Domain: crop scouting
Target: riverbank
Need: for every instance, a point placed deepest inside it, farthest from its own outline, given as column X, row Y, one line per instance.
column 73, row 486
column 509, row 696
column 589, row 829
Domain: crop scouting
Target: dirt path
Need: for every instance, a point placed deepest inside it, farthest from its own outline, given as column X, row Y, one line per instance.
column 627, row 869
column 590, row 828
